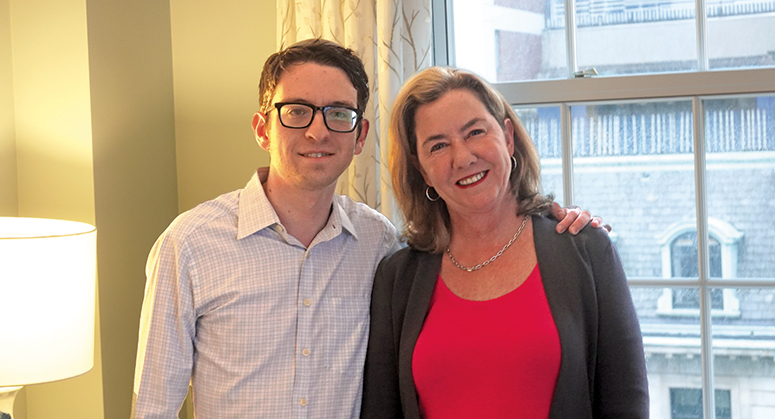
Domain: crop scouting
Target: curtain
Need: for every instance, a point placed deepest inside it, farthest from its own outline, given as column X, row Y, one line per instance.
column 393, row 38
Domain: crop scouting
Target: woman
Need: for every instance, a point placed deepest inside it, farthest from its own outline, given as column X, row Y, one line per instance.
column 489, row 313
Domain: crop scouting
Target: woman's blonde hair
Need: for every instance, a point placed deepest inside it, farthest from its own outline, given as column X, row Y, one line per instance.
column 428, row 222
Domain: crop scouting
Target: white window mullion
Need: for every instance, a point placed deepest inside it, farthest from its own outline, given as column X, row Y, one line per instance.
column 570, row 36
column 702, row 36
column 443, row 33
column 566, row 135
column 703, row 266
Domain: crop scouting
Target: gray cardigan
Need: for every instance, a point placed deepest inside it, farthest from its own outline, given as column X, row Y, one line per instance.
column 602, row 368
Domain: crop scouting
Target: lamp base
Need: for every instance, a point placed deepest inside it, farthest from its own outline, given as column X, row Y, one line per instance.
column 7, row 396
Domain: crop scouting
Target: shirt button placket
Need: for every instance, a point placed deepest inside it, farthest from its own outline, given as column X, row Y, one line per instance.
column 304, row 334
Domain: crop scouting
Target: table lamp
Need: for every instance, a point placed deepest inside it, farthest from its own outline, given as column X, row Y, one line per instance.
column 47, row 299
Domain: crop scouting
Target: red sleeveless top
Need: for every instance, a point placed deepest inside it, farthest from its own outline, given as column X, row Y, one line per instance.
column 491, row 359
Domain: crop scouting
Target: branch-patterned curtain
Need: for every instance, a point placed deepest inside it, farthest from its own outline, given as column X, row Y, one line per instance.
column 393, row 38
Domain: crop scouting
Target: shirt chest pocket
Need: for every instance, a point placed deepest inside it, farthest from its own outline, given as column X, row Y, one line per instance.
column 346, row 334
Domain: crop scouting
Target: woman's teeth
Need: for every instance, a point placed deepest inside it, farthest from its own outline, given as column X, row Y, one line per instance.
column 471, row 180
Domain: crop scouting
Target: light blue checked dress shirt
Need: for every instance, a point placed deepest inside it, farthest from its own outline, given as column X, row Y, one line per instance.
column 262, row 326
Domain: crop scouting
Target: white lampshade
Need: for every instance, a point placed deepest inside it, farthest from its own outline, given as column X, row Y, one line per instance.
column 47, row 295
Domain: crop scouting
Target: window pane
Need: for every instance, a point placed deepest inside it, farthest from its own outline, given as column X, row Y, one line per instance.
column 684, row 259
column 743, row 349
column 683, row 256
column 543, row 126
column 633, row 165
column 686, row 403
column 740, row 140
column 690, row 298
column 510, row 40
column 636, row 36
column 672, row 347
column 741, row 33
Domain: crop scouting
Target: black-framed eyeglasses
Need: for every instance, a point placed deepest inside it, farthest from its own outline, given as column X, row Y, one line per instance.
column 300, row 115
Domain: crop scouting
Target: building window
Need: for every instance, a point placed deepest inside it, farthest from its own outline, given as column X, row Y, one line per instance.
column 679, row 260
column 683, row 252
column 686, row 403
column 683, row 260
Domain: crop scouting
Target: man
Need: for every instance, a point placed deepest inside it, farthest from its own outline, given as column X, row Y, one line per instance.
column 260, row 297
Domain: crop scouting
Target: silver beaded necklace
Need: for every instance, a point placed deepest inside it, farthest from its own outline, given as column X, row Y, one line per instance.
column 492, row 259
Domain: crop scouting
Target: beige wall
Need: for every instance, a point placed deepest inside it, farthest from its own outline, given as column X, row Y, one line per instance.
column 122, row 114
column 134, row 166
column 52, row 131
column 218, row 51
column 9, row 205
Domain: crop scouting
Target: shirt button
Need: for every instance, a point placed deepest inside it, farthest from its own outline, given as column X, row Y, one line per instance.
column 303, row 402
column 307, row 302
column 305, row 352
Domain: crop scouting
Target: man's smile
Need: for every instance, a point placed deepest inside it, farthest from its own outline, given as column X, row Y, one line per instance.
column 317, row 155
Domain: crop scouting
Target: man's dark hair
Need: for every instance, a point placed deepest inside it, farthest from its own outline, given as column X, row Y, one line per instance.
column 317, row 51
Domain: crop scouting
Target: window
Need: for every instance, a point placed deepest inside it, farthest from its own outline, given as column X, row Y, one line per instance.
column 680, row 260
column 683, row 256
column 673, row 143
column 528, row 40
column 686, row 403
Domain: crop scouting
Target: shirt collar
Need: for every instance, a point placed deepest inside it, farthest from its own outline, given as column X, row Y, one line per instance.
column 340, row 217
column 257, row 213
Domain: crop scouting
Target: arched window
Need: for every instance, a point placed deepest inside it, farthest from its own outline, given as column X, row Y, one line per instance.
column 683, row 264
column 679, row 260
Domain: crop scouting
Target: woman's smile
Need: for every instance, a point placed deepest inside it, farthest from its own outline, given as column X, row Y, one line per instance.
column 471, row 180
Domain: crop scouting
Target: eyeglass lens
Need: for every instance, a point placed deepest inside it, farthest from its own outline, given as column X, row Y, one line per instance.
column 338, row 119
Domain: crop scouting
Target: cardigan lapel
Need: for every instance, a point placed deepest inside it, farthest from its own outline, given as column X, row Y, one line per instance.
column 566, row 280
column 424, row 282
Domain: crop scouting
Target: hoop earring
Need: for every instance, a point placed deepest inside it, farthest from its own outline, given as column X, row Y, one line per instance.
column 513, row 163
column 428, row 194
